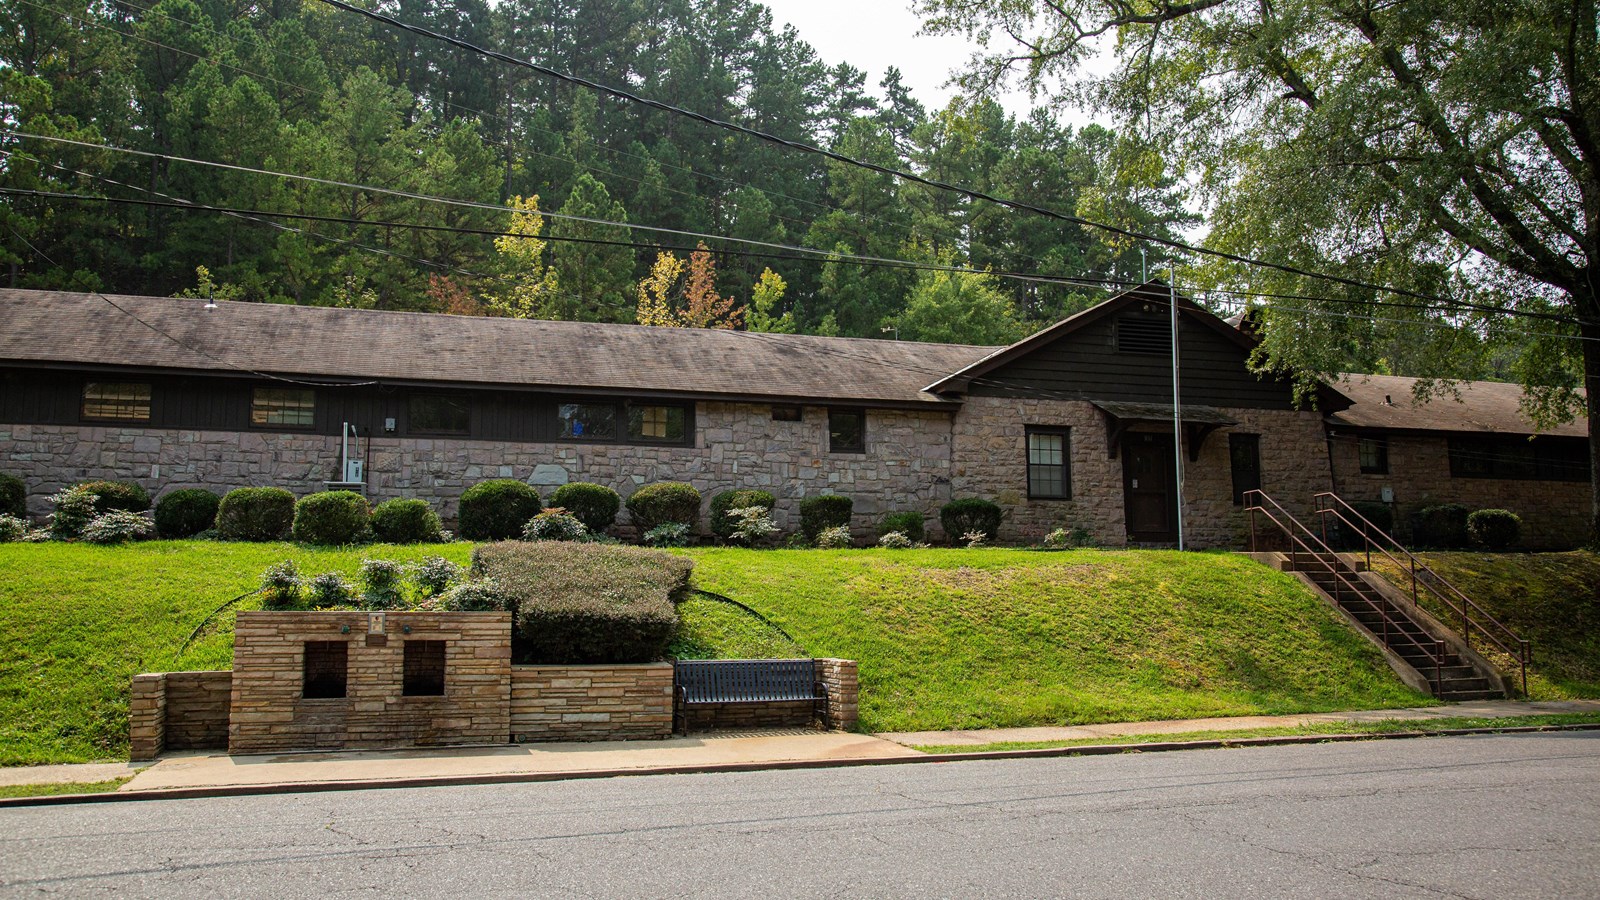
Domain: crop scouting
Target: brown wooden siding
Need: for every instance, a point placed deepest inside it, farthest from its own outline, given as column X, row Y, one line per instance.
column 1085, row 365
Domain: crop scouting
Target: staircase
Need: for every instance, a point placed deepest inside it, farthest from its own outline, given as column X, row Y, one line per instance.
column 1449, row 676
column 1443, row 658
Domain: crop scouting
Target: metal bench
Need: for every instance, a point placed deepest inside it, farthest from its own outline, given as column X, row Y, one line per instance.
column 705, row 682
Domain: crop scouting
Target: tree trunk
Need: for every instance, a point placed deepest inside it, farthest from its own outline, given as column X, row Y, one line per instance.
column 1590, row 330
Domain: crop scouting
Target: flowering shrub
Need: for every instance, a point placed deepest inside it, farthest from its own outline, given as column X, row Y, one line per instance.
column 554, row 524
column 975, row 538
column 118, row 527
column 330, row 590
column 668, row 534
column 382, row 579
column 835, row 538
column 74, row 510
column 751, row 525
column 11, row 528
column 435, row 574
column 281, row 587
column 896, row 540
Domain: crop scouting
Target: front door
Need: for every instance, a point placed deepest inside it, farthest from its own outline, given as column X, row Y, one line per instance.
column 1149, row 487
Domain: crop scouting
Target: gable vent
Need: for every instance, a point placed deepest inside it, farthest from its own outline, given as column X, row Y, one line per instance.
column 1140, row 335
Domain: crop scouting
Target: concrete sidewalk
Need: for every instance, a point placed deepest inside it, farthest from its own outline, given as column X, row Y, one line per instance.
column 1481, row 709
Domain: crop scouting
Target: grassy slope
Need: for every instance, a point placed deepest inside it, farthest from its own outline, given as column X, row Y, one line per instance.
column 1551, row 599
column 995, row 638
column 77, row 621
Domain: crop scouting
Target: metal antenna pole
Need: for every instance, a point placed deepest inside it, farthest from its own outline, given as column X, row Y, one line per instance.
column 1177, row 413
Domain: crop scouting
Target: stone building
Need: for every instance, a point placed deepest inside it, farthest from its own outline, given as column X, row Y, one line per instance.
column 1072, row 427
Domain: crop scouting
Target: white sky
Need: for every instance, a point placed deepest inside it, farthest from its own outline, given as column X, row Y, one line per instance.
column 875, row 34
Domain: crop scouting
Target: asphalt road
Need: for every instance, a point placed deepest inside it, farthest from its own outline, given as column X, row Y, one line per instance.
column 1488, row 816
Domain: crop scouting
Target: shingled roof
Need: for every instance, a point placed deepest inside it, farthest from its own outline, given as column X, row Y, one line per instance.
column 1488, row 407
column 52, row 327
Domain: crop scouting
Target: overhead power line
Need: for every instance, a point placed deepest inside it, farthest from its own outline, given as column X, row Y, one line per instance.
column 911, row 177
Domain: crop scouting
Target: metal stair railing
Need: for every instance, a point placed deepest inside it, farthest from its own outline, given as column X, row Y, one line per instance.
column 1255, row 504
column 1461, row 607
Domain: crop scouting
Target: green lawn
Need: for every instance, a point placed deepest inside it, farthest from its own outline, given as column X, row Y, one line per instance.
column 946, row 638
column 1551, row 599
column 996, row 638
column 77, row 621
column 49, row 790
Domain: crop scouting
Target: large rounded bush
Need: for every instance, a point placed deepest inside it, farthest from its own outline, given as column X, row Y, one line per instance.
column 112, row 495
column 968, row 514
column 1443, row 526
column 1494, row 529
column 721, row 525
column 817, row 514
column 332, row 518
column 496, row 510
column 186, row 512
column 907, row 523
column 13, row 496
column 405, row 521
column 664, row 502
column 595, row 505
column 255, row 514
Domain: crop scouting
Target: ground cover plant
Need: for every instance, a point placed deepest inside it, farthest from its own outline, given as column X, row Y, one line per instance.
column 1551, row 599
column 996, row 638
column 78, row 621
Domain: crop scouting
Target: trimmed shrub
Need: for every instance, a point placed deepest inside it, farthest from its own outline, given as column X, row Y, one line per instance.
column 826, row 511
column 725, row 501
column 118, row 527
column 554, row 524
column 1494, row 529
column 74, row 510
column 282, row 588
column 186, row 512
column 1443, row 526
column 962, row 517
column 497, row 510
column 405, row 521
column 835, row 537
column 434, row 575
column 663, row 502
column 906, row 523
column 381, row 580
column 668, row 534
column 595, row 505
column 332, row 518
column 330, row 591
column 124, row 495
column 588, row 603
column 11, row 528
column 13, row 496
column 255, row 514
column 1380, row 514
column 475, row 596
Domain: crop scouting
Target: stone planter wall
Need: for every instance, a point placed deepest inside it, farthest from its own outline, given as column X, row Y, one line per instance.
column 178, row 711
column 591, row 703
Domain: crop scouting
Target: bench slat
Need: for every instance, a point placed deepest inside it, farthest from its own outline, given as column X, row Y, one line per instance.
column 745, row 681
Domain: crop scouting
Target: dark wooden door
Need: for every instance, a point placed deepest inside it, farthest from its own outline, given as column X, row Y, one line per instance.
column 1149, row 487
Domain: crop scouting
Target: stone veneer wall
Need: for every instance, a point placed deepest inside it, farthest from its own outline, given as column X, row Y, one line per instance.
column 737, row 445
column 269, row 715
column 591, row 703
column 1554, row 513
column 178, row 711
column 990, row 460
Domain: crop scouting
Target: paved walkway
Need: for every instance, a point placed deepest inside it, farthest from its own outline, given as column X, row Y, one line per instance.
column 77, row 773
column 1487, row 709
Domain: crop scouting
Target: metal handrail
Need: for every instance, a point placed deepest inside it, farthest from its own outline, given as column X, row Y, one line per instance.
column 1438, row 649
column 1523, row 650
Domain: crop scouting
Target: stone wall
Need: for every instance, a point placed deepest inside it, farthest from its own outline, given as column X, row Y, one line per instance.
column 990, row 460
column 737, row 445
column 839, row 679
column 178, row 711
column 1554, row 513
column 270, row 715
column 591, row 703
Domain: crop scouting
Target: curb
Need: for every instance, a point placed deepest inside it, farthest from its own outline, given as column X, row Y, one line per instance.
column 313, row 787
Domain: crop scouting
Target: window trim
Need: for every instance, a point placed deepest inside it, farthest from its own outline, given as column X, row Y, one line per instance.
column 411, row 427
column 1233, row 468
column 250, row 413
column 625, row 435
column 1065, row 433
column 1381, row 442
column 150, row 402
column 833, row 447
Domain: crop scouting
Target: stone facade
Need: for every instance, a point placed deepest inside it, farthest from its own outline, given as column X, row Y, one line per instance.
column 1554, row 513
column 737, row 445
column 990, row 453
column 178, row 711
column 270, row 715
column 591, row 703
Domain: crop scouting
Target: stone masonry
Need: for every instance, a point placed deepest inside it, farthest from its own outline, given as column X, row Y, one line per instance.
column 178, row 711
column 591, row 703
column 270, row 715
column 1554, row 513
